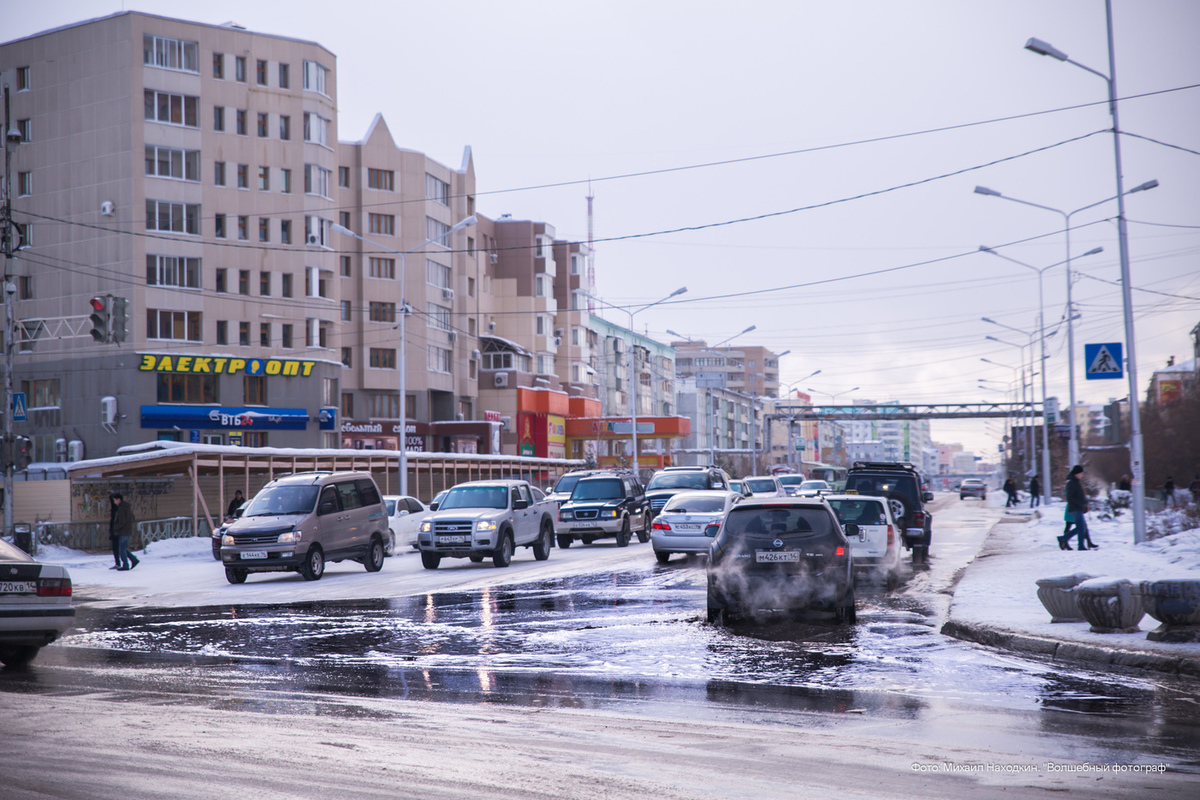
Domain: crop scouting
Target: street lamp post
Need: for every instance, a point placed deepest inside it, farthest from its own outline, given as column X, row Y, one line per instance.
column 1027, row 413
column 712, row 400
column 1042, row 361
column 1074, row 451
column 1135, row 424
column 792, row 421
column 1028, row 425
column 401, row 362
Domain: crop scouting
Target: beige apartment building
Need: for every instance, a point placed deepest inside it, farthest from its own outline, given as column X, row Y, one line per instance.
column 192, row 173
column 752, row 370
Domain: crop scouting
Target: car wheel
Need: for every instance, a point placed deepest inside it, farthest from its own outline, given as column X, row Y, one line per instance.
column 892, row 580
column 541, row 548
column 373, row 560
column 564, row 541
column 845, row 611
column 216, row 545
column 390, row 550
column 17, row 655
column 716, row 615
column 662, row 557
column 920, row 553
column 962, row 497
column 623, row 536
column 314, row 564
column 235, row 575
column 431, row 560
column 644, row 533
column 504, row 551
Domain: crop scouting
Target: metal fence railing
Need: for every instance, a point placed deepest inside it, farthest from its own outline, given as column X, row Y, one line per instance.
column 93, row 536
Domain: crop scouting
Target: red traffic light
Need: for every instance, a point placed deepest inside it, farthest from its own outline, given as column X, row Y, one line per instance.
column 97, row 303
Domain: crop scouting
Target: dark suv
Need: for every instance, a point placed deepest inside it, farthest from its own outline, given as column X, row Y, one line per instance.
column 605, row 504
column 903, row 487
column 672, row 480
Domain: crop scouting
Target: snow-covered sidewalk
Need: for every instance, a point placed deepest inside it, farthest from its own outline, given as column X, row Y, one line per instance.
column 996, row 604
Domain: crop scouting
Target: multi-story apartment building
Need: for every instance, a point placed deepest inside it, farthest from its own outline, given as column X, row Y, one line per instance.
column 753, row 370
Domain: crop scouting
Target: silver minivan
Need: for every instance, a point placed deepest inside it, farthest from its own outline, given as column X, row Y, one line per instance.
column 298, row 522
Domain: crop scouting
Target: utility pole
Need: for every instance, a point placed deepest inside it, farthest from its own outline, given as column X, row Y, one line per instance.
column 7, row 234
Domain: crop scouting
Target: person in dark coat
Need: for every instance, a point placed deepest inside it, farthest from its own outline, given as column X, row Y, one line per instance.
column 1126, row 484
column 1076, row 508
column 123, row 529
column 235, row 503
column 112, row 536
column 1010, row 489
column 1169, row 492
column 1035, row 492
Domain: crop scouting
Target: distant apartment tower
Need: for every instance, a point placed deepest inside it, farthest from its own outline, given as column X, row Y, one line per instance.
column 753, row 370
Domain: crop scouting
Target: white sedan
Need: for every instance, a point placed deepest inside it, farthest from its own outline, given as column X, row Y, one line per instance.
column 404, row 518
column 35, row 605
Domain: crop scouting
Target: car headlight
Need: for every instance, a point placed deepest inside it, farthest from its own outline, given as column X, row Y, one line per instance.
column 426, row 526
column 485, row 525
column 291, row 537
column 227, row 539
column 611, row 512
column 566, row 515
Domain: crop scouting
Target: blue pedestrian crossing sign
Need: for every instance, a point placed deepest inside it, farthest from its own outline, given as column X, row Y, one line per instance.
column 1104, row 361
column 18, row 406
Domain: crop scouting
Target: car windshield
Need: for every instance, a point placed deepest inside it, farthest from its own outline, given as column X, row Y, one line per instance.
column 691, row 504
column 280, row 500
column 860, row 512
column 679, row 480
column 883, row 485
column 774, row 520
column 791, row 480
column 391, row 507
column 814, row 485
column 475, row 497
column 566, row 483
column 762, row 485
column 598, row 490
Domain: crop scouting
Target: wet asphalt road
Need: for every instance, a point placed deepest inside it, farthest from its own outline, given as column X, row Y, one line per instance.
column 634, row 639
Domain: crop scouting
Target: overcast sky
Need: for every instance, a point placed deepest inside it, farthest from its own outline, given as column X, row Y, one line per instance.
column 855, row 132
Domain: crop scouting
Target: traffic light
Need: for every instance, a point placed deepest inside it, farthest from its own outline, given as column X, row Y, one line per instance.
column 1112, row 431
column 101, row 318
column 23, row 452
column 120, row 319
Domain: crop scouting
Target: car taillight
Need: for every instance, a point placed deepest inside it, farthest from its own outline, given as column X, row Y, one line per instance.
column 841, row 551
column 891, row 535
column 661, row 526
column 54, row 587
column 919, row 519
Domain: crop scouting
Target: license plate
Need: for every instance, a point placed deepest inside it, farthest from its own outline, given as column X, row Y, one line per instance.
column 18, row 587
column 452, row 540
column 767, row 556
column 254, row 554
column 686, row 526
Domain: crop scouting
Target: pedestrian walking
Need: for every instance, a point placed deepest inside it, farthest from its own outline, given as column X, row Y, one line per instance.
column 235, row 503
column 123, row 529
column 1010, row 489
column 1169, row 492
column 1035, row 492
column 112, row 535
column 1076, row 511
column 1195, row 490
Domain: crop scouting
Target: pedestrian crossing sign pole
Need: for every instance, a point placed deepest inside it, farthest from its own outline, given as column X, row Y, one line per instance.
column 1104, row 361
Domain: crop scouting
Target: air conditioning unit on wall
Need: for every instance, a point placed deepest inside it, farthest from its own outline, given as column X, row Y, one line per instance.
column 447, row 294
column 501, row 380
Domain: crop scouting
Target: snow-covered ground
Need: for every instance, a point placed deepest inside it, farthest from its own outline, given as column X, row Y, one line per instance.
column 998, row 590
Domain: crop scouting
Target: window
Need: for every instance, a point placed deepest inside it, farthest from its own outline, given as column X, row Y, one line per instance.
column 244, row 334
column 172, row 271
column 171, row 109
column 315, row 284
column 316, row 180
column 24, row 233
column 218, row 173
column 470, row 287
column 219, row 66
column 260, row 72
column 437, row 274
column 167, row 162
column 222, row 331
column 471, row 326
column 344, row 177
column 173, row 217
column 243, row 224
column 241, row 122
column 25, row 128
column 24, row 183
column 256, row 390
column 264, row 284
column 243, row 176
column 314, row 77
column 436, row 231
column 42, row 393
column 347, row 399
column 264, row 229
column 285, row 181
column 381, row 267
column 254, row 438
column 439, row 359
column 239, row 69
column 23, row 79
column 176, row 54
column 264, row 179
column 316, row 130
column 285, row 127
column 437, row 190
column 285, row 231
column 383, row 358
column 541, row 325
column 181, row 325
column 383, row 406
column 382, row 179
column 439, row 317
column 344, row 219
column 25, row 287
column 285, row 284
column 285, row 336
column 222, row 284
column 219, row 226
column 346, row 267
column 347, row 359
column 471, row 247
column 382, row 312
column 283, row 76
column 263, row 120
column 382, row 223
column 576, row 260
column 243, row 281
column 543, row 286
column 316, row 231
column 218, row 118
column 264, row 334
column 346, row 310
column 174, row 387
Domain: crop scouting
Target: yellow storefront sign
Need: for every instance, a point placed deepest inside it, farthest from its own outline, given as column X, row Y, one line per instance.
column 222, row 365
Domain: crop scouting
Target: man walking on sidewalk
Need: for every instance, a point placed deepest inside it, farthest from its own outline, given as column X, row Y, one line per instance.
column 123, row 529
column 1076, row 508
column 1035, row 492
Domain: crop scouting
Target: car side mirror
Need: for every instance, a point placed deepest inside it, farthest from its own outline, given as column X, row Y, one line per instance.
column 852, row 529
column 711, row 529
column 403, row 513
column 326, row 508
column 519, row 504
column 927, row 497
column 434, row 506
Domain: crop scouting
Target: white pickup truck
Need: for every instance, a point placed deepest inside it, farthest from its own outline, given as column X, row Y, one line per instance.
column 482, row 519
